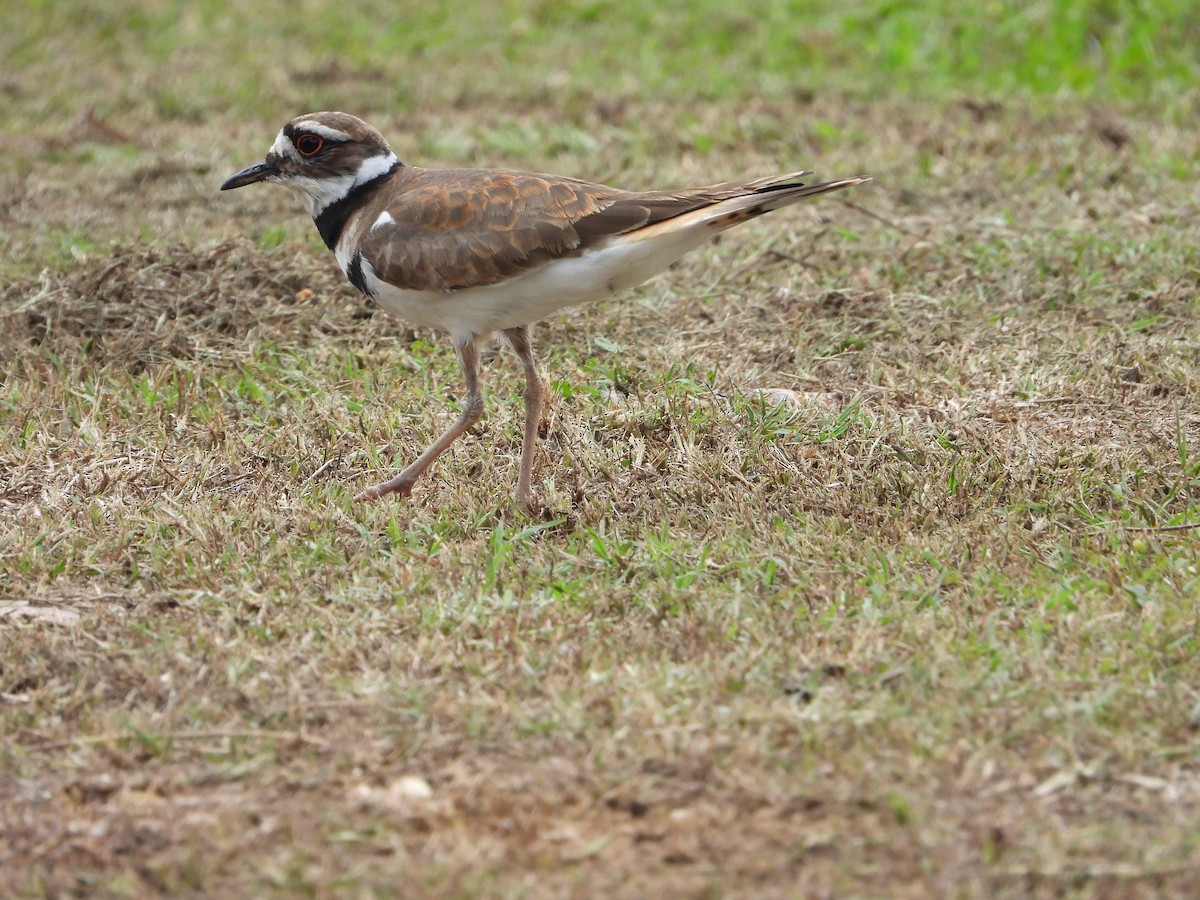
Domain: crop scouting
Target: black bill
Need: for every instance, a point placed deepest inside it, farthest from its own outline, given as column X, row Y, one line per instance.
column 260, row 171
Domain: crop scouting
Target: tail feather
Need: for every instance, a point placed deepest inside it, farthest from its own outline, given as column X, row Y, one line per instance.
column 743, row 202
column 788, row 190
column 768, row 197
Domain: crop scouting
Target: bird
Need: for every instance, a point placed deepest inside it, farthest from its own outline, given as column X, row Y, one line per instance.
column 476, row 252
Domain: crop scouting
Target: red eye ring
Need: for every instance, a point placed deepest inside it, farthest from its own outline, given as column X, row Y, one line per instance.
column 309, row 144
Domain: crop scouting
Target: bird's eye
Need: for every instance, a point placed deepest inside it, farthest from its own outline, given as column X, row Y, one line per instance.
column 309, row 144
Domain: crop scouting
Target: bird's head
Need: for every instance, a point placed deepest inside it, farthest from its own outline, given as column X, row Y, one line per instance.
column 321, row 156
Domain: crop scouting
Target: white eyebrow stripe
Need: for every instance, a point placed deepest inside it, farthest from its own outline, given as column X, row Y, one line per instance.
column 324, row 131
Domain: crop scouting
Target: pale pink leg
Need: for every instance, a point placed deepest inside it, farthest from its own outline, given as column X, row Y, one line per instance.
column 535, row 395
column 402, row 484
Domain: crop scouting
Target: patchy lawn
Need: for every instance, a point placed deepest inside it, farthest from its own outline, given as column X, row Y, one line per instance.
column 871, row 564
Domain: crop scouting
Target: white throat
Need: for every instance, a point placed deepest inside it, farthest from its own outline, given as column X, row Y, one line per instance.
column 318, row 193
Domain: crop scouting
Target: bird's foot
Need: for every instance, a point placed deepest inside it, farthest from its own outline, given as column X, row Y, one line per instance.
column 398, row 485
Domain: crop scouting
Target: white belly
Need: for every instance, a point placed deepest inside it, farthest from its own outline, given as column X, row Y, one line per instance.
column 592, row 275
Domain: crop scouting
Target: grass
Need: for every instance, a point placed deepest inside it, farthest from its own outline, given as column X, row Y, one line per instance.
column 869, row 568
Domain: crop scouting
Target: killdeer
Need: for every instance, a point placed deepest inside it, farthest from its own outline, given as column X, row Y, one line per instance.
column 477, row 251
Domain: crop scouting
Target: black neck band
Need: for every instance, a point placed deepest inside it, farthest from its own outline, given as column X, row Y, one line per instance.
column 332, row 219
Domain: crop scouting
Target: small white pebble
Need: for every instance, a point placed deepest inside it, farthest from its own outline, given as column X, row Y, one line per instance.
column 411, row 787
column 778, row 396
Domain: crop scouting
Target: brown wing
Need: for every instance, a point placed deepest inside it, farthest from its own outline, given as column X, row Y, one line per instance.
column 461, row 228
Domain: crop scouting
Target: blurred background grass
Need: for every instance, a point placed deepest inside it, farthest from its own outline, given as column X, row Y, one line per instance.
column 256, row 59
column 131, row 91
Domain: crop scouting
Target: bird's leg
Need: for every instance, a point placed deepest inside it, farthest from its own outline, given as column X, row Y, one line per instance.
column 468, row 358
column 535, row 395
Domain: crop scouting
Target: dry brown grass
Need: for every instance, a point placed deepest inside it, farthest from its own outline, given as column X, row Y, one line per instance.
column 920, row 630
